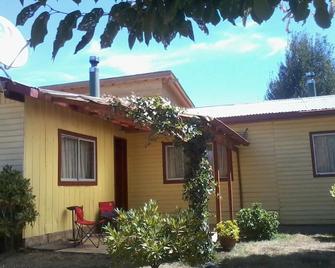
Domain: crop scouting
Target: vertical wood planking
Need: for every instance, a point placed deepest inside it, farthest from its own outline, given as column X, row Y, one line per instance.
column 42, row 121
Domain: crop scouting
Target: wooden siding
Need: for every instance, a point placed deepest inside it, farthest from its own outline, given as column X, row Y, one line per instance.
column 42, row 121
column 145, row 179
column 11, row 133
column 145, row 175
column 277, row 170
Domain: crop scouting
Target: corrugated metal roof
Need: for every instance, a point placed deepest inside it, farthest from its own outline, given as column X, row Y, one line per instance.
column 283, row 106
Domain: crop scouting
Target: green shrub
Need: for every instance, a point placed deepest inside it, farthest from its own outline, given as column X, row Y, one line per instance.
column 189, row 237
column 256, row 223
column 17, row 207
column 332, row 191
column 146, row 237
column 228, row 229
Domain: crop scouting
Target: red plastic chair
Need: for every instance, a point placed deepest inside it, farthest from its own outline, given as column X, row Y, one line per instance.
column 107, row 212
column 105, row 207
column 85, row 228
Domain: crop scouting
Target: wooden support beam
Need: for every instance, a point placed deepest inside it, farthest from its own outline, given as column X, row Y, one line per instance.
column 230, row 186
column 239, row 178
column 217, row 183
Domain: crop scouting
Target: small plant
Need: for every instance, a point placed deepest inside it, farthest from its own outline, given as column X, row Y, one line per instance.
column 256, row 223
column 228, row 229
column 146, row 237
column 228, row 234
column 17, row 207
column 332, row 191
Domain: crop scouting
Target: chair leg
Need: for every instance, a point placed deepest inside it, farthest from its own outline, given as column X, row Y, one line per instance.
column 88, row 235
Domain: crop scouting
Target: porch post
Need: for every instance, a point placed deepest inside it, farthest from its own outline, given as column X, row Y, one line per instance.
column 217, row 181
column 239, row 177
column 230, row 178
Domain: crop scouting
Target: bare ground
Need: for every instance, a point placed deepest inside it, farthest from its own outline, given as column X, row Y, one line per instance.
column 284, row 251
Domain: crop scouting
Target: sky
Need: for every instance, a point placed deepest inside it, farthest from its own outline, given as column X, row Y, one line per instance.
column 233, row 64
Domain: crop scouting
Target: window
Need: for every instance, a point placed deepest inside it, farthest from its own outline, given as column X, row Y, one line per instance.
column 323, row 153
column 173, row 163
column 222, row 159
column 77, row 159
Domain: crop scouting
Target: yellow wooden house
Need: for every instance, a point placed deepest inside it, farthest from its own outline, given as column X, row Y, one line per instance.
column 76, row 151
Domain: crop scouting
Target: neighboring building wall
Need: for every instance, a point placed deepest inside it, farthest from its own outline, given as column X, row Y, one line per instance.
column 140, row 88
column 277, row 170
column 42, row 121
column 11, row 133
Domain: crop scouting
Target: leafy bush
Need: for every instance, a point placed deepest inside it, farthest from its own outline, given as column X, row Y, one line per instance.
column 17, row 207
column 256, row 223
column 332, row 191
column 228, row 229
column 146, row 237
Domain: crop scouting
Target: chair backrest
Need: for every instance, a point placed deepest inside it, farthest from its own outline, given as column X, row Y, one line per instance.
column 79, row 211
column 106, row 206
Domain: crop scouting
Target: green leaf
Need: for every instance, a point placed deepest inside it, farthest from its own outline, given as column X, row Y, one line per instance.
column 65, row 30
column 131, row 39
column 90, row 19
column 321, row 16
column 84, row 40
column 109, row 34
column 262, row 9
column 39, row 29
column 88, row 24
column 186, row 29
column 299, row 9
column 27, row 12
column 147, row 37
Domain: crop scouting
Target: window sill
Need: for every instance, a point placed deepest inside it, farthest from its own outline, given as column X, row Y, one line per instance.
column 167, row 181
column 77, row 183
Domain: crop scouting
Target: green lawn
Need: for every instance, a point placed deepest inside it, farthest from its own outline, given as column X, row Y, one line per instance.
column 284, row 251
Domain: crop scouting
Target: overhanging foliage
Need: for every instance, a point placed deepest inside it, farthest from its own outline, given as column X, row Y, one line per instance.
column 161, row 20
column 162, row 118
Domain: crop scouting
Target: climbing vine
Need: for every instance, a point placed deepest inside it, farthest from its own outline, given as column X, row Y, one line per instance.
column 190, row 132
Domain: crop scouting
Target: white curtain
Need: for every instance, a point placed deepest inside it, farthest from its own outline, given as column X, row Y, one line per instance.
column 69, row 166
column 324, row 149
column 86, row 160
column 175, row 162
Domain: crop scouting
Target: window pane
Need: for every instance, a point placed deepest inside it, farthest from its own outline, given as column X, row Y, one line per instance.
column 324, row 152
column 69, row 164
column 223, row 161
column 175, row 162
column 86, row 160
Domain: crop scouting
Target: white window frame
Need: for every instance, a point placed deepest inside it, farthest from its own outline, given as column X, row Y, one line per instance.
column 316, row 173
column 78, row 137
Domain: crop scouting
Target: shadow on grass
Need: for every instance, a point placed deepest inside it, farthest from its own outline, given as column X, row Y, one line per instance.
column 307, row 259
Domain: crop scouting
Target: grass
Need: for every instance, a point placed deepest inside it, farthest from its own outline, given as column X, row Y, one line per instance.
column 284, row 251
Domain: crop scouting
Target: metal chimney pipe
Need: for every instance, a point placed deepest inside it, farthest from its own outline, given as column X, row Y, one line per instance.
column 94, row 77
column 310, row 81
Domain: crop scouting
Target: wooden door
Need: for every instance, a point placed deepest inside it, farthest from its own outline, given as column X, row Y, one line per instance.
column 120, row 173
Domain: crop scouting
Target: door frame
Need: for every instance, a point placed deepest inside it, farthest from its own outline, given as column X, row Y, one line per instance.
column 124, row 181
